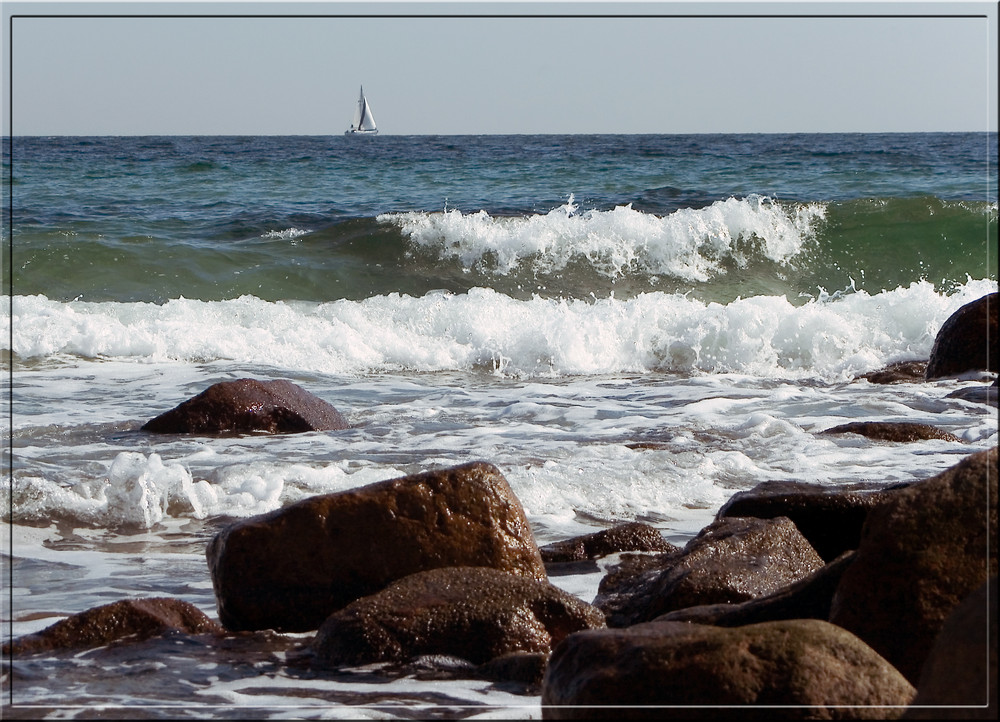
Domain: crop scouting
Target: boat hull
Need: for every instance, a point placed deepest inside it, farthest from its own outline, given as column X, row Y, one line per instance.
column 360, row 132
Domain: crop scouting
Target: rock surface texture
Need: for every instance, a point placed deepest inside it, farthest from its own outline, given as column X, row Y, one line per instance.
column 731, row 560
column 97, row 627
column 899, row 431
column 634, row 536
column 290, row 569
column 959, row 679
column 922, row 552
column 796, row 669
column 967, row 341
column 809, row 598
column 898, row 373
column 475, row 613
column 831, row 519
column 247, row 406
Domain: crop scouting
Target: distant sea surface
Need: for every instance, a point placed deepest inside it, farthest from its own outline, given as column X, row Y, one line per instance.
column 630, row 327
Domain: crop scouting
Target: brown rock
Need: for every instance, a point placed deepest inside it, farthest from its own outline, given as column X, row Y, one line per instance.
column 249, row 405
column 903, row 431
column 959, row 679
column 967, row 341
column 139, row 618
column 731, row 560
column 898, row 373
column 475, row 613
column 921, row 553
column 795, row 669
column 808, row 598
column 831, row 519
column 634, row 536
column 526, row 668
column 290, row 569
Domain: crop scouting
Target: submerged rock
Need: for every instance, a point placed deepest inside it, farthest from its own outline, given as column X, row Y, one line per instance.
column 97, row 627
column 967, row 341
column 898, row 373
column 921, row 553
column 902, row 431
column 794, row 669
column 290, row 569
column 978, row 394
column 731, row 560
column 634, row 536
column 247, row 406
column 474, row 613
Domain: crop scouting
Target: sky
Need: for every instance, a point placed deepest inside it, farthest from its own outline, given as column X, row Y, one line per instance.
column 682, row 67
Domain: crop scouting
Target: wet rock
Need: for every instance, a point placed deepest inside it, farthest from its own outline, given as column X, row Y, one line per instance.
column 901, row 431
column 731, row 560
column 809, row 598
column 634, row 536
column 959, row 678
column 978, row 394
column 921, row 553
column 898, row 373
column 526, row 668
column 97, row 627
column 290, row 569
column 246, row 406
column 794, row 669
column 475, row 613
column 967, row 341
column 831, row 519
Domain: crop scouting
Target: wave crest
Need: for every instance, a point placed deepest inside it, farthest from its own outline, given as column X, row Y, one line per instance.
column 689, row 244
column 831, row 336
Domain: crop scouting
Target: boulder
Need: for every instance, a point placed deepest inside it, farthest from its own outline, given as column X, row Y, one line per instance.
column 247, row 406
column 898, row 373
column 97, row 627
column 634, row 536
column 830, row 519
column 808, row 598
column 967, row 341
column 959, row 678
column 794, row 669
column 290, row 569
column 475, row 613
column 921, row 553
column 901, row 431
column 731, row 560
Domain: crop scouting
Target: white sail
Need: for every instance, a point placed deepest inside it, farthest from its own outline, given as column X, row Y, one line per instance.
column 364, row 121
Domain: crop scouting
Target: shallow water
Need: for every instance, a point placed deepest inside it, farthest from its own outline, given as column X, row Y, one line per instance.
column 630, row 328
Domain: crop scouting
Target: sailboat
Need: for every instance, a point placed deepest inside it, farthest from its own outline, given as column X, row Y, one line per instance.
column 364, row 121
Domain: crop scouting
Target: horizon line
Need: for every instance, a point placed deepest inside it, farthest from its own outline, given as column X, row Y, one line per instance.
column 411, row 135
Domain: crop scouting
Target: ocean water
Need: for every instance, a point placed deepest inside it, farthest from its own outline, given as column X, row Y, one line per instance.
column 629, row 327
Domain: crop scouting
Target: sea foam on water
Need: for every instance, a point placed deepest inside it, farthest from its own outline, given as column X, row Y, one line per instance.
column 691, row 244
column 830, row 336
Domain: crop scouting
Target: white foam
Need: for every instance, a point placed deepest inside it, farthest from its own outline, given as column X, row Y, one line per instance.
column 690, row 244
column 831, row 336
column 140, row 491
column 288, row 234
